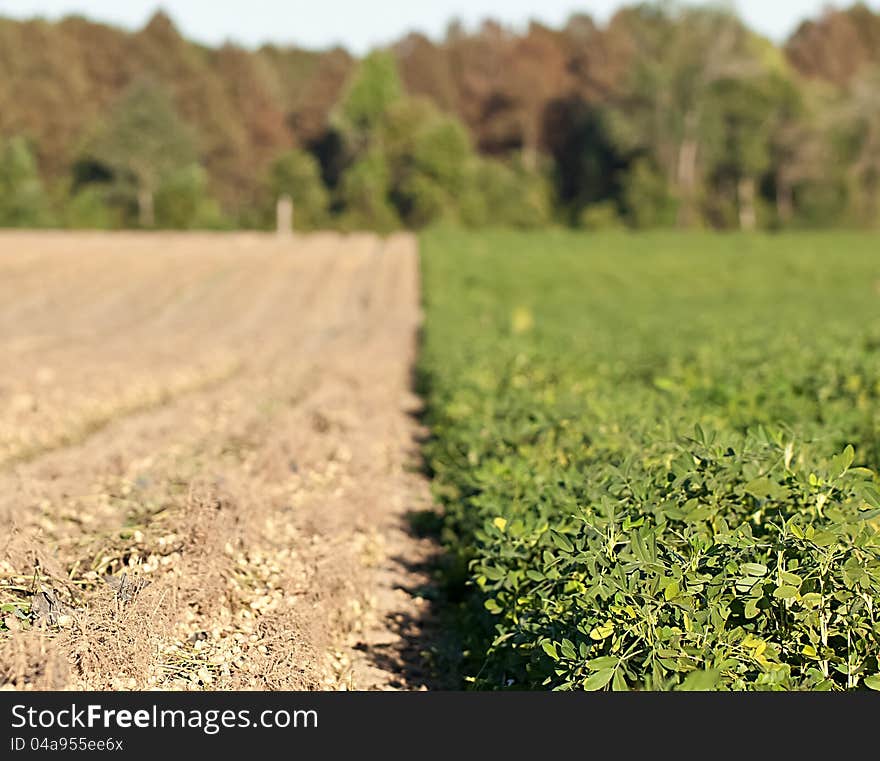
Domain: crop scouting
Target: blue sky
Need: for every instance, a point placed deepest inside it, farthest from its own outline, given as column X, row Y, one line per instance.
column 361, row 24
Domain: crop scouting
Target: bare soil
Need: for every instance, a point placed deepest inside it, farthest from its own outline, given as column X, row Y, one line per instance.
column 207, row 459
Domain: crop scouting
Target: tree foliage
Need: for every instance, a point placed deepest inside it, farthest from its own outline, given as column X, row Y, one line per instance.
column 668, row 114
column 297, row 174
column 141, row 143
column 182, row 201
column 23, row 200
column 375, row 87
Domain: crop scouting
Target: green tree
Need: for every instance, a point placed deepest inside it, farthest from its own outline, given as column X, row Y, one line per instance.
column 681, row 54
column 23, row 200
column 182, row 201
column 408, row 161
column 798, row 149
column 648, row 198
column 297, row 174
column 859, row 129
column 499, row 195
column 139, row 144
column 600, row 216
column 758, row 139
column 366, row 188
column 428, row 154
column 87, row 209
column 431, row 173
column 742, row 112
column 366, row 183
column 374, row 88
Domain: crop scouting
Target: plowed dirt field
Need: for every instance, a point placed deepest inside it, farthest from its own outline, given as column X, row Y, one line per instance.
column 207, row 451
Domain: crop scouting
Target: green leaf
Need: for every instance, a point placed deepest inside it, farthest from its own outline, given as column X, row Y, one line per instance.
column 785, row 592
column 791, row 578
column 840, row 463
column 603, row 662
column 754, row 569
column 873, row 682
column 701, row 681
column 871, row 496
column 766, row 488
column 550, row 649
column 863, row 472
column 560, row 541
column 602, row 632
column 823, row 538
column 492, row 606
column 599, row 680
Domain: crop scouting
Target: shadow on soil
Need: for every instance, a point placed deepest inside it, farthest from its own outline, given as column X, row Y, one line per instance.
column 428, row 653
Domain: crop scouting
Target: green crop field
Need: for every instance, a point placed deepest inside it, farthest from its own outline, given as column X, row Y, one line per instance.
column 657, row 457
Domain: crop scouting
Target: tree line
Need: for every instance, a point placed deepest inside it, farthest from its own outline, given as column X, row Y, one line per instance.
column 667, row 116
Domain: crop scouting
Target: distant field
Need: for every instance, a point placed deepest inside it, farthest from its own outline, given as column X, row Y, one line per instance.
column 658, row 455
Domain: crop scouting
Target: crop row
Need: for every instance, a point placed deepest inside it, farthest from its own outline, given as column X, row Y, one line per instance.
column 656, row 457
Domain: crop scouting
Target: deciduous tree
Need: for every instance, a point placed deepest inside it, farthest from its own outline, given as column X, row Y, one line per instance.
column 141, row 142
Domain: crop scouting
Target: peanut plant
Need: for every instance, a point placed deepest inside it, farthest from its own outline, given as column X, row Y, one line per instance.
column 657, row 457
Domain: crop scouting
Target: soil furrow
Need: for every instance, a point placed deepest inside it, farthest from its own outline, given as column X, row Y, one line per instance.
column 267, row 511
